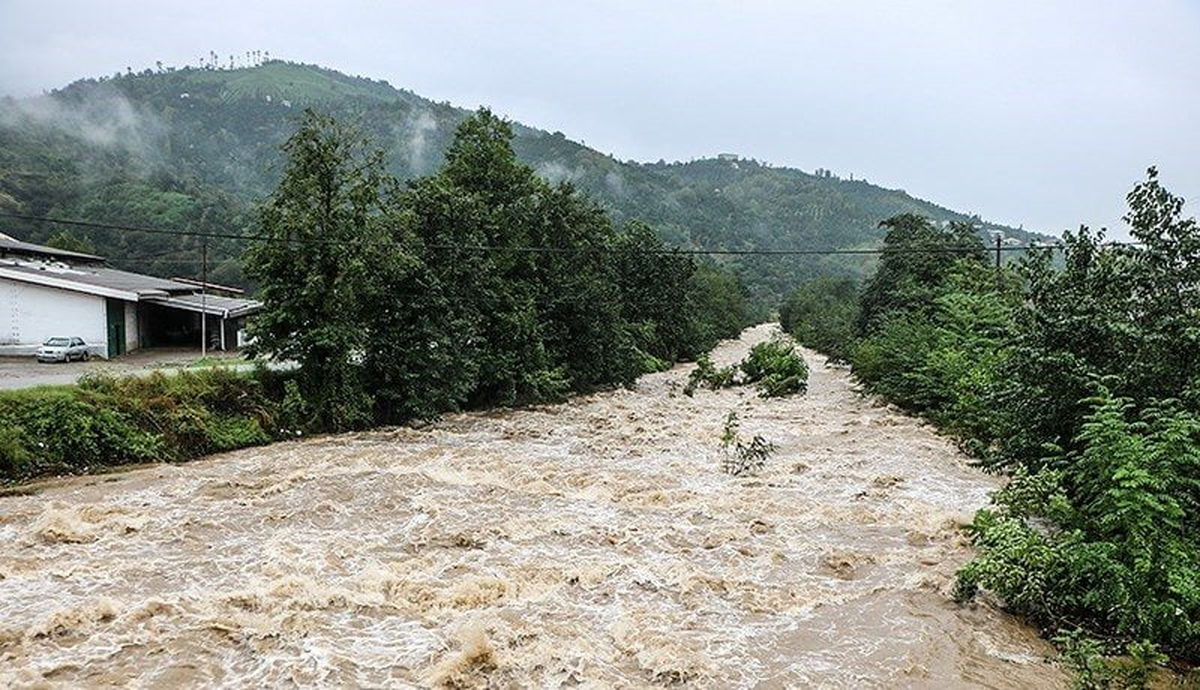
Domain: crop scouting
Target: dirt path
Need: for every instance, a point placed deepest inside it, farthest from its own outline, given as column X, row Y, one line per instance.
column 591, row 543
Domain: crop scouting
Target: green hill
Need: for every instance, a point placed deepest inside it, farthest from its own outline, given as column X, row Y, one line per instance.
column 194, row 148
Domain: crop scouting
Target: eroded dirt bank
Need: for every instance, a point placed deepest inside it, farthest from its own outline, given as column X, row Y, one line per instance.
column 591, row 543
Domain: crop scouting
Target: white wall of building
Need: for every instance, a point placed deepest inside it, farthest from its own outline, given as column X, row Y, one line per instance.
column 31, row 313
column 132, row 342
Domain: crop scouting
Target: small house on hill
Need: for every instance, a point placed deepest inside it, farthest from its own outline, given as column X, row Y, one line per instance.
column 46, row 292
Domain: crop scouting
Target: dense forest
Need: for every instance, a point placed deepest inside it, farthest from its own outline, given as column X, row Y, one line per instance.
column 196, row 148
column 1080, row 376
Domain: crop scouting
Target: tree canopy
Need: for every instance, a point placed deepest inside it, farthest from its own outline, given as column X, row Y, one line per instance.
column 479, row 284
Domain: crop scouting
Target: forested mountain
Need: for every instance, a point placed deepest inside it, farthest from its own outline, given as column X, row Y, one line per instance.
column 195, row 148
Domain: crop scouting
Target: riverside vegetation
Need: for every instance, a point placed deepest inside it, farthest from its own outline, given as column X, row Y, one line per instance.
column 1081, row 380
column 401, row 302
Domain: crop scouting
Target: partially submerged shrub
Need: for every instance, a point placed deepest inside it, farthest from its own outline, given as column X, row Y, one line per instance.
column 708, row 375
column 777, row 367
column 1093, row 669
column 651, row 364
column 740, row 458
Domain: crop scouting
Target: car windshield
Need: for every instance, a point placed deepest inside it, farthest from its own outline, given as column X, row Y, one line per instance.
column 56, row 342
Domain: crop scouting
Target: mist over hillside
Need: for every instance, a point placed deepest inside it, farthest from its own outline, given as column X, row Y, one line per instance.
column 195, row 148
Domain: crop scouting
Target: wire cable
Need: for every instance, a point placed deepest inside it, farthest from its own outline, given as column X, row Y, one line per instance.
column 556, row 250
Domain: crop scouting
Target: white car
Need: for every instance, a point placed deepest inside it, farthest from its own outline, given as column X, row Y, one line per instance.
column 61, row 349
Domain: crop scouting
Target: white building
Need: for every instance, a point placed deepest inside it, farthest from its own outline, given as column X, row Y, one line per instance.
column 46, row 292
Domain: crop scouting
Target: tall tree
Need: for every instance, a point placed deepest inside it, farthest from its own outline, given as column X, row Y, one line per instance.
column 917, row 258
column 320, row 244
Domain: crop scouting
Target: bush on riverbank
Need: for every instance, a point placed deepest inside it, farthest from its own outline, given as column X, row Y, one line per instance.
column 106, row 420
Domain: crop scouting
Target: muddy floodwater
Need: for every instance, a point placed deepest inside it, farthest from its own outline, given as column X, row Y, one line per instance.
column 593, row 543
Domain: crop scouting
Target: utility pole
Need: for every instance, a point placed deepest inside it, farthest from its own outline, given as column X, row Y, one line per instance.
column 204, row 299
column 997, row 251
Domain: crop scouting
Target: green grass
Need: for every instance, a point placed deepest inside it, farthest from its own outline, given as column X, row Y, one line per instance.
column 107, row 421
column 295, row 82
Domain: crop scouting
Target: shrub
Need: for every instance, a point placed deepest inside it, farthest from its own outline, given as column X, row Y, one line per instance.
column 1085, row 657
column 107, row 420
column 740, row 458
column 13, row 454
column 708, row 375
column 777, row 367
column 1111, row 544
column 651, row 364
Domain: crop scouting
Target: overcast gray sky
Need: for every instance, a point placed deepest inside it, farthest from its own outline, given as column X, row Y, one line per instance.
column 1034, row 113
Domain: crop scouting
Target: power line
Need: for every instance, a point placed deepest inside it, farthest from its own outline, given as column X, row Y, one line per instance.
column 545, row 249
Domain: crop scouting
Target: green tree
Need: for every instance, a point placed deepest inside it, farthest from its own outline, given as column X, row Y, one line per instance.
column 320, row 243
column 474, row 216
column 654, row 283
column 720, row 304
column 66, row 241
column 822, row 313
column 917, row 259
column 526, row 266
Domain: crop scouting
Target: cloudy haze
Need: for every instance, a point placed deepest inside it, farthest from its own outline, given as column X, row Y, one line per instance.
column 1041, row 114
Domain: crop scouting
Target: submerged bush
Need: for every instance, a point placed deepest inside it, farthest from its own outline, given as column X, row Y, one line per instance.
column 740, row 458
column 709, row 376
column 1088, row 659
column 777, row 367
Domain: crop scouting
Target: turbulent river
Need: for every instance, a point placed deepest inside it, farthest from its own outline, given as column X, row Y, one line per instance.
column 593, row 543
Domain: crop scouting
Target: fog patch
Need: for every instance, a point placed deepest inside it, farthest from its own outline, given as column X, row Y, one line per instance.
column 103, row 119
column 418, row 127
column 555, row 172
column 615, row 183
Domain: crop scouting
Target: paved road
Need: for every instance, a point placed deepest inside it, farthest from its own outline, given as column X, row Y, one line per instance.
column 26, row 372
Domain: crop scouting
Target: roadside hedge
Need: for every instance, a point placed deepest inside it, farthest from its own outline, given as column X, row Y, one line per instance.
column 106, row 420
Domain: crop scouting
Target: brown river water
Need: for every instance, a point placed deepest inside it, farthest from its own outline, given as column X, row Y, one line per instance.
column 594, row 543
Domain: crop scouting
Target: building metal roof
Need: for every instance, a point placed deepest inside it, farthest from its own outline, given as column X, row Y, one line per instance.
column 96, row 280
column 56, row 268
column 213, row 287
column 8, row 245
column 215, row 305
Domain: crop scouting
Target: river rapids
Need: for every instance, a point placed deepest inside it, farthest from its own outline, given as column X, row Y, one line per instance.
column 594, row 543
